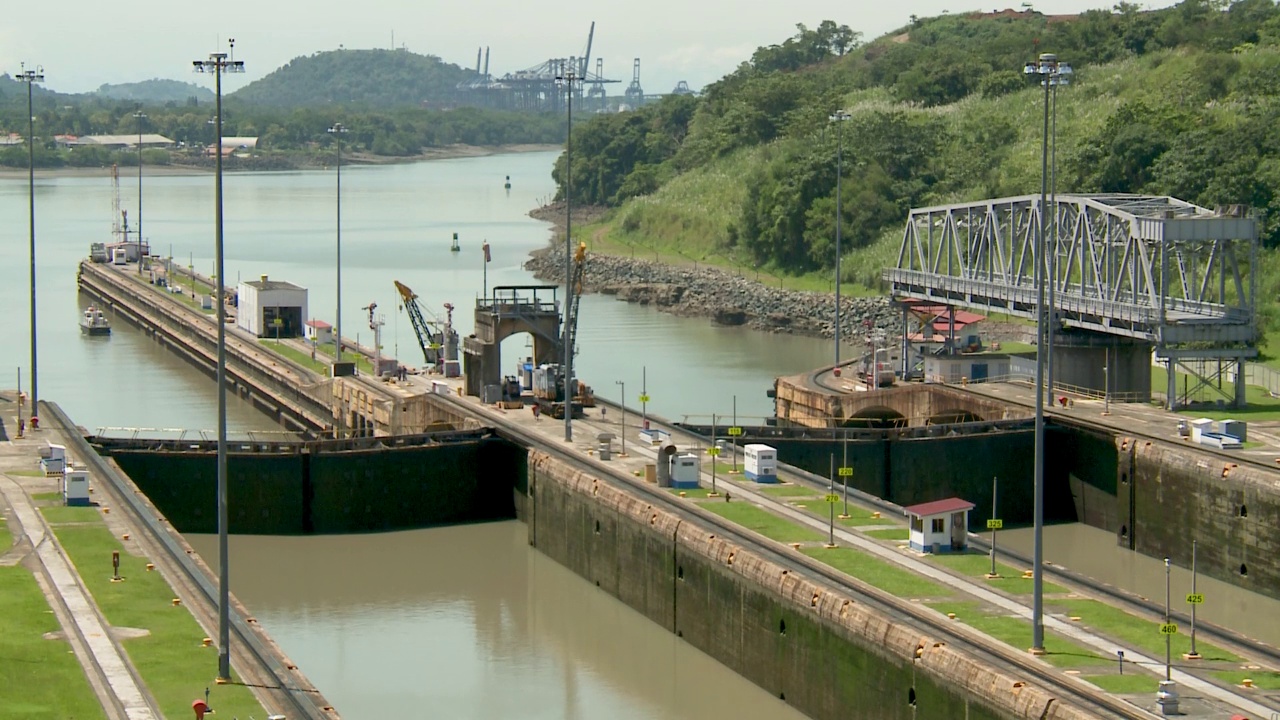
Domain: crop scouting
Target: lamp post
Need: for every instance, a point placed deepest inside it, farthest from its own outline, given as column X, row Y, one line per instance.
column 139, row 116
column 838, row 117
column 337, row 131
column 1054, row 80
column 623, row 431
column 568, row 78
column 31, row 77
column 1046, row 67
column 218, row 64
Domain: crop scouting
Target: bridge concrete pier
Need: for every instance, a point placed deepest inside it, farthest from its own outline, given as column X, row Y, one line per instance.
column 1106, row 365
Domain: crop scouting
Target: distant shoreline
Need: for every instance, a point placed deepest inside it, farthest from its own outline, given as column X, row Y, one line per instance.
column 447, row 152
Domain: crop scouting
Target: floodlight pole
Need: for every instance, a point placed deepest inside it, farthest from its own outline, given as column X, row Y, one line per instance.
column 31, row 77
column 139, row 116
column 1047, row 69
column 219, row 63
column 337, row 130
column 838, row 118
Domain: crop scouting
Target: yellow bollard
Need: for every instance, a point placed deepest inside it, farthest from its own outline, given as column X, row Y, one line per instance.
column 150, row 567
column 1247, row 682
column 125, row 536
column 106, row 510
column 206, row 642
column 177, row 602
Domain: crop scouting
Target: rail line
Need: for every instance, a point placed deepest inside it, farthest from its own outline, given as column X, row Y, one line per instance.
column 259, row 665
column 1013, row 662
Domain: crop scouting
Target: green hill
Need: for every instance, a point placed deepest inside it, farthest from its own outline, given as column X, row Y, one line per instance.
column 1180, row 101
column 356, row 78
column 155, row 91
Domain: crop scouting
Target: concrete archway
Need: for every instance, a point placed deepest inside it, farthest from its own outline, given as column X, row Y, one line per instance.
column 876, row 417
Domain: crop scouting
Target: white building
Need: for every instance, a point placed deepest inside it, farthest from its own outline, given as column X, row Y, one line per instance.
column 958, row 369
column 319, row 332
column 268, row 308
column 940, row 526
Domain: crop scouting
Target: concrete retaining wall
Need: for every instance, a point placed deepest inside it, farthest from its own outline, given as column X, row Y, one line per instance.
column 827, row 654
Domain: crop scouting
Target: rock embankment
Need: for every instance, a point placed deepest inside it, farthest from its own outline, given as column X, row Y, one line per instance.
column 725, row 297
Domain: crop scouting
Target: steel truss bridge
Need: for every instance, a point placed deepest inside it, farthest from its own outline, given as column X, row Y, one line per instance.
column 1152, row 269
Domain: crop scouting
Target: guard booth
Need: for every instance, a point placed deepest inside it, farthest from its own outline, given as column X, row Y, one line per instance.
column 940, row 526
column 761, row 463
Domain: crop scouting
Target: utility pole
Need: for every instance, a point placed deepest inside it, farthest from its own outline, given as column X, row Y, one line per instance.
column 139, row 117
column 31, row 77
column 218, row 64
column 337, row 131
column 838, row 117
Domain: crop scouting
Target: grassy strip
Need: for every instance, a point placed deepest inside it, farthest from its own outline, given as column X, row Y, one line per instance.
column 788, row 491
column 1259, row 404
column 362, row 362
column 698, row 493
column 1262, row 679
column 1139, row 633
column 6, row 538
column 39, row 679
column 45, row 497
column 60, row 514
column 170, row 659
column 25, row 473
column 762, row 521
column 1016, row 632
column 858, row 517
column 889, row 534
column 877, row 572
column 1134, row 682
column 292, row 353
column 978, row 565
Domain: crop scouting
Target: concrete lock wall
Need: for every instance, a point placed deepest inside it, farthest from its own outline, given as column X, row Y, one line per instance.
column 332, row 491
column 1232, row 511
column 828, row 655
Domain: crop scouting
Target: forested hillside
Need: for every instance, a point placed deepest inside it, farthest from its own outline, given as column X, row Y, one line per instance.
column 1181, row 101
column 356, row 78
column 155, row 91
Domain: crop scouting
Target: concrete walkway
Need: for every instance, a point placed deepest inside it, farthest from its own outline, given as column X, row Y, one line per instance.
column 641, row 453
column 104, row 653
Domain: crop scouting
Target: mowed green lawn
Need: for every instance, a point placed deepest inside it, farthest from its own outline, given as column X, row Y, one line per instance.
column 170, row 658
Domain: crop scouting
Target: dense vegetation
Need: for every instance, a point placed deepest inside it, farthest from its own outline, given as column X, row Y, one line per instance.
column 385, row 118
column 1180, row 101
column 356, row 78
column 156, row 91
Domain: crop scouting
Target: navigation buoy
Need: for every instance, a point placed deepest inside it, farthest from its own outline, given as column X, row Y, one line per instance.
column 455, row 247
column 508, row 185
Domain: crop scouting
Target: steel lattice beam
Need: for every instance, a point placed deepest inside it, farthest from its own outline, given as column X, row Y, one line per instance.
column 1148, row 267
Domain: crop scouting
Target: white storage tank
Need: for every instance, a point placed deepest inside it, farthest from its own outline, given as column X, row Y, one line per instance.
column 685, row 470
column 75, row 487
column 761, row 463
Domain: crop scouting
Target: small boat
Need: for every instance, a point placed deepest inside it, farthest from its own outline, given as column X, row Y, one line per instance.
column 456, row 247
column 508, row 185
column 93, row 322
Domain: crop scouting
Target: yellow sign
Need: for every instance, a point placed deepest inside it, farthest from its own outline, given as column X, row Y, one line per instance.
column 846, row 472
column 1195, row 598
column 644, row 398
column 735, row 431
column 713, row 451
column 995, row 524
column 1169, row 629
column 833, row 498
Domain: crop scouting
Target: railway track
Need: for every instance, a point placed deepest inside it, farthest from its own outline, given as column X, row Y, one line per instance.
column 260, row 664
column 1014, row 663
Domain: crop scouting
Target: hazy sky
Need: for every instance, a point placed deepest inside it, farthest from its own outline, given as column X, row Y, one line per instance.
column 82, row 44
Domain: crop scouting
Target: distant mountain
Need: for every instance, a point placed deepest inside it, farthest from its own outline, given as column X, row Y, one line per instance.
column 365, row 78
column 155, row 91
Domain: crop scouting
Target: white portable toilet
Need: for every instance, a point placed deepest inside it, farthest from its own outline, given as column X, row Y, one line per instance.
column 685, row 470
column 760, row 463
column 75, row 487
column 55, row 463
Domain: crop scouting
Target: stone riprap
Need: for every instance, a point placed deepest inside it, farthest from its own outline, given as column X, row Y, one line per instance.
column 723, row 296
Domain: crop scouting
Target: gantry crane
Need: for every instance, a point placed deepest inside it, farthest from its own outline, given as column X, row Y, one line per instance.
column 439, row 341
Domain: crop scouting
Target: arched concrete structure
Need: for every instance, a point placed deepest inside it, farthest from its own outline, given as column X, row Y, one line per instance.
column 511, row 310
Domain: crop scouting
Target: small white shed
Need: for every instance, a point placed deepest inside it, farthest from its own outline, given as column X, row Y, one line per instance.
column 319, row 332
column 760, row 463
column 75, row 487
column 268, row 308
column 686, row 470
column 940, row 526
